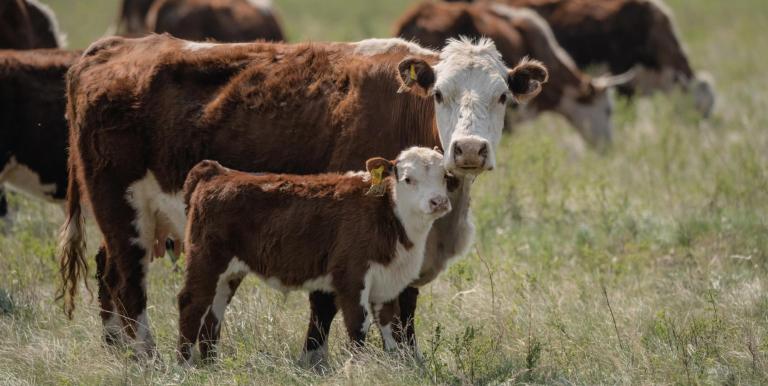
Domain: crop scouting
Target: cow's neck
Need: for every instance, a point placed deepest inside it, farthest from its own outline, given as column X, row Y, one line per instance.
column 451, row 235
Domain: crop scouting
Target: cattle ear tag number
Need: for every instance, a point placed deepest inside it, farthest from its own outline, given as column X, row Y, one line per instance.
column 413, row 72
column 377, row 182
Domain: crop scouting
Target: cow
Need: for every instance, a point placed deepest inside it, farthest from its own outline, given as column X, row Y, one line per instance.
column 33, row 137
column 519, row 32
column 28, row 24
column 626, row 34
column 199, row 20
column 261, row 107
column 24, row 25
column 360, row 236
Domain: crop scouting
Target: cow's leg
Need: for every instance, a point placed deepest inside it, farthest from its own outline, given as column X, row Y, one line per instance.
column 387, row 316
column 202, row 303
column 356, row 310
column 106, row 278
column 404, row 328
column 323, row 310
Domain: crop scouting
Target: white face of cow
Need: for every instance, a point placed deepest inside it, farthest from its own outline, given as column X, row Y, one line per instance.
column 592, row 117
column 420, row 190
column 421, row 186
column 471, row 87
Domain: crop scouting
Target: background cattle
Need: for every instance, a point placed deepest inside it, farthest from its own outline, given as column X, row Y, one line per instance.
column 220, row 20
column 27, row 24
column 33, row 135
column 520, row 33
column 299, row 109
column 626, row 34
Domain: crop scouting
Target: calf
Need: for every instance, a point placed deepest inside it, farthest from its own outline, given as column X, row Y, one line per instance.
column 520, row 33
column 623, row 34
column 361, row 236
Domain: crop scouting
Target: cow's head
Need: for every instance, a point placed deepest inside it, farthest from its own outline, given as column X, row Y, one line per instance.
column 420, row 184
column 471, row 88
column 589, row 107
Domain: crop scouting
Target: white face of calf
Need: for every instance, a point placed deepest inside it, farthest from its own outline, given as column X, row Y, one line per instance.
column 471, row 87
column 420, row 191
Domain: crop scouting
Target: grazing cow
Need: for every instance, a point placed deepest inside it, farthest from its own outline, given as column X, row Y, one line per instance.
column 220, row 20
column 624, row 34
column 33, row 137
column 24, row 24
column 328, row 232
column 267, row 107
column 518, row 33
column 28, row 24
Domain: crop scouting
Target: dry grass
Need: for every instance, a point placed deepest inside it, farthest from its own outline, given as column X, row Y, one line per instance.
column 669, row 227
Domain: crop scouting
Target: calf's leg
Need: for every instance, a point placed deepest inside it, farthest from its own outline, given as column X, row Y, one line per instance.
column 387, row 316
column 322, row 311
column 357, row 316
column 404, row 328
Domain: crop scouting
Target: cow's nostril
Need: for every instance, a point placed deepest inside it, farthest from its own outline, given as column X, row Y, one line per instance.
column 483, row 150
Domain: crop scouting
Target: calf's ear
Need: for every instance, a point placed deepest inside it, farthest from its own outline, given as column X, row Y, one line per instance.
column 415, row 73
column 525, row 80
column 374, row 164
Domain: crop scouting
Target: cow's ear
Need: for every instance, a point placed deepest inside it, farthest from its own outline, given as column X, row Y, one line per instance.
column 415, row 72
column 526, row 78
column 378, row 164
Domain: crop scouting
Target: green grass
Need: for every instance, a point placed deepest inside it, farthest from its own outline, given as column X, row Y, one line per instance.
column 670, row 227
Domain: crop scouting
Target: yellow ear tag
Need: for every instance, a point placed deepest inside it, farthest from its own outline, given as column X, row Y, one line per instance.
column 377, row 187
column 413, row 72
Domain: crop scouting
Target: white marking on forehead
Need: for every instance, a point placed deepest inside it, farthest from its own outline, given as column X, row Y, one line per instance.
column 371, row 47
column 420, row 156
column 463, row 53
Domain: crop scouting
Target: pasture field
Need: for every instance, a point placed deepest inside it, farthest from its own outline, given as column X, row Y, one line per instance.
column 644, row 265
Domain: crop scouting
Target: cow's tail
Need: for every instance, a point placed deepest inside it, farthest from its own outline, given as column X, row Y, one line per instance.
column 72, row 264
column 203, row 171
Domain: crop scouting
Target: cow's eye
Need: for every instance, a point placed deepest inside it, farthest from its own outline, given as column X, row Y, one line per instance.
column 407, row 180
column 503, row 98
column 438, row 96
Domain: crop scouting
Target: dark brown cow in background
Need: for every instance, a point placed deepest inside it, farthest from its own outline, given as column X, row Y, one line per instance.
column 219, row 20
column 519, row 33
column 27, row 24
column 264, row 107
column 33, row 136
column 24, row 25
column 626, row 34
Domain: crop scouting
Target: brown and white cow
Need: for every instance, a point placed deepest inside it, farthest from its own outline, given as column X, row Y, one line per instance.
column 267, row 107
column 24, row 25
column 520, row 33
column 360, row 236
column 626, row 34
column 28, row 24
column 219, row 20
column 33, row 137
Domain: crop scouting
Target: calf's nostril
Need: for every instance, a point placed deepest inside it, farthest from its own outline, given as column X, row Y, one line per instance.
column 483, row 150
column 457, row 150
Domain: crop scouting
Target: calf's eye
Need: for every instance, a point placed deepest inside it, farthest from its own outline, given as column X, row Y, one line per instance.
column 438, row 96
column 407, row 180
column 503, row 98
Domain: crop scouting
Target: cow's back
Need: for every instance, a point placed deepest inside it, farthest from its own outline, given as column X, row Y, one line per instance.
column 163, row 104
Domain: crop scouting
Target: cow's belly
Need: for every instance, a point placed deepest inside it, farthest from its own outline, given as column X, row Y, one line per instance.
column 20, row 178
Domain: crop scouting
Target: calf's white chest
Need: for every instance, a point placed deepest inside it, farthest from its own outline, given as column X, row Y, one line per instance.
column 385, row 282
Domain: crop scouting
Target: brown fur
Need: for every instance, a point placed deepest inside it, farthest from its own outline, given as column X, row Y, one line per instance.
column 219, row 20
column 619, row 33
column 263, row 107
column 289, row 227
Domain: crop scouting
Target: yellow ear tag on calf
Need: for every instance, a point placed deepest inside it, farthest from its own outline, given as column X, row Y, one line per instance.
column 413, row 73
column 377, row 186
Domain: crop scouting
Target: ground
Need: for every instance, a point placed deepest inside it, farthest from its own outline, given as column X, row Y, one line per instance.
column 643, row 265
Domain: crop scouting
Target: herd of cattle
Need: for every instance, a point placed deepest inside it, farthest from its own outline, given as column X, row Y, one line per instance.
column 122, row 127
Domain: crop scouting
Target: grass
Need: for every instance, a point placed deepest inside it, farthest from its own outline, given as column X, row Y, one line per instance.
column 646, row 265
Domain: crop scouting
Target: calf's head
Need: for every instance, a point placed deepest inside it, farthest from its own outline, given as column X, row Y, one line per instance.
column 471, row 87
column 420, row 183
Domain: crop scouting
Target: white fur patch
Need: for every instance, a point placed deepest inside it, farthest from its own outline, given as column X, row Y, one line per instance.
column 262, row 5
column 371, row 47
column 235, row 268
column 198, row 46
column 388, row 336
column 20, row 178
